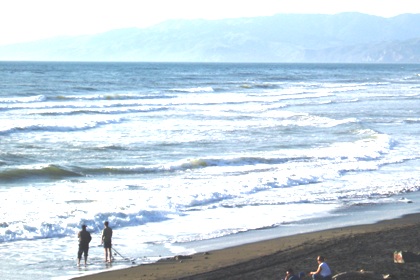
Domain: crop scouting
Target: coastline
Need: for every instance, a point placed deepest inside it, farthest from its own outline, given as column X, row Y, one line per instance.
column 368, row 247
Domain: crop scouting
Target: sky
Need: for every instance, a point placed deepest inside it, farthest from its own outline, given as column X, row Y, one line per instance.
column 30, row 20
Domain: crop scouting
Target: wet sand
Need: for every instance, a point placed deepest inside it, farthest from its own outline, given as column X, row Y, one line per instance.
column 363, row 247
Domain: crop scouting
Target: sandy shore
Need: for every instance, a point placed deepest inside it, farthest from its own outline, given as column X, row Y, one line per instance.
column 364, row 247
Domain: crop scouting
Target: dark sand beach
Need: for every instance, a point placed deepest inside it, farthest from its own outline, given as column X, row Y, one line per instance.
column 364, row 247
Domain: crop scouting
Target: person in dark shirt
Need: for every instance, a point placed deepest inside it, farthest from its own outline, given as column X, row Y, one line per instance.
column 290, row 275
column 84, row 240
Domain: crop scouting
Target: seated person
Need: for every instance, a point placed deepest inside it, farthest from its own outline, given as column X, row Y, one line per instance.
column 323, row 272
column 290, row 275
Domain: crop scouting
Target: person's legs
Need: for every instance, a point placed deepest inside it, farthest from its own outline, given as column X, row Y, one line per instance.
column 319, row 277
column 86, row 255
column 79, row 255
column 301, row 275
column 110, row 254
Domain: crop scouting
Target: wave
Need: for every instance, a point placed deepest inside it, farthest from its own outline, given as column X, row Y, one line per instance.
column 262, row 85
column 412, row 78
column 368, row 146
column 316, row 121
column 81, row 88
column 111, row 96
column 188, row 164
column 371, row 146
column 57, row 128
column 193, row 89
column 16, row 231
column 50, row 172
column 87, row 107
column 56, row 172
column 99, row 111
column 289, row 118
column 28, row 99
column 70, row 223
column 95, row 97
column 412, row 120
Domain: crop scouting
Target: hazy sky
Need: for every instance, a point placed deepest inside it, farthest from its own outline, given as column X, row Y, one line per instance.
column 28, row 20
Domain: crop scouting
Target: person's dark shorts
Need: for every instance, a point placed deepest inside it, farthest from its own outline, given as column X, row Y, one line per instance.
column 317, row 276
column 82, row 250
column 107, row 244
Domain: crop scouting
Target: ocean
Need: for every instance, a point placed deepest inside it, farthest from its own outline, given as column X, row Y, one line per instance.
column 189, row 157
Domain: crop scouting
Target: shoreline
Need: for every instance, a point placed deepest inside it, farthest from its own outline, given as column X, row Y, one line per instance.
column 368, row 247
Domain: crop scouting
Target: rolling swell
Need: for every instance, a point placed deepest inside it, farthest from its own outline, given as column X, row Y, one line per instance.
column 101, row 111
column 58, row 128
column 50, row 172
column 56, row 172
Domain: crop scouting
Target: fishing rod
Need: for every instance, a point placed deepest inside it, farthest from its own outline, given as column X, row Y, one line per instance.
column 126, row 259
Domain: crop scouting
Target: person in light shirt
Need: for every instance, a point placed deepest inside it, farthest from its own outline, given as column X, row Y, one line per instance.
column 323, row 272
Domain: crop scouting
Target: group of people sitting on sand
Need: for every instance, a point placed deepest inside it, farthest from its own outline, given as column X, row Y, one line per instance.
column 323, row 272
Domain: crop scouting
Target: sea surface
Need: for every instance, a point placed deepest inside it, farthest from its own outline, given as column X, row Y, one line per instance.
column 186, row 157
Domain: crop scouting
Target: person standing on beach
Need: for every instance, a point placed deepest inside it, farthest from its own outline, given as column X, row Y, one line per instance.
column 84, row 240
column 106, row 240
column 323, row 271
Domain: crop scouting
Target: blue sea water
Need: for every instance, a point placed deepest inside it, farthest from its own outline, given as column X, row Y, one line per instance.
column 179, row 157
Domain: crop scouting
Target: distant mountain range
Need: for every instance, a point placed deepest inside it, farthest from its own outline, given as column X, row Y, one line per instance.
column 346, row 37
